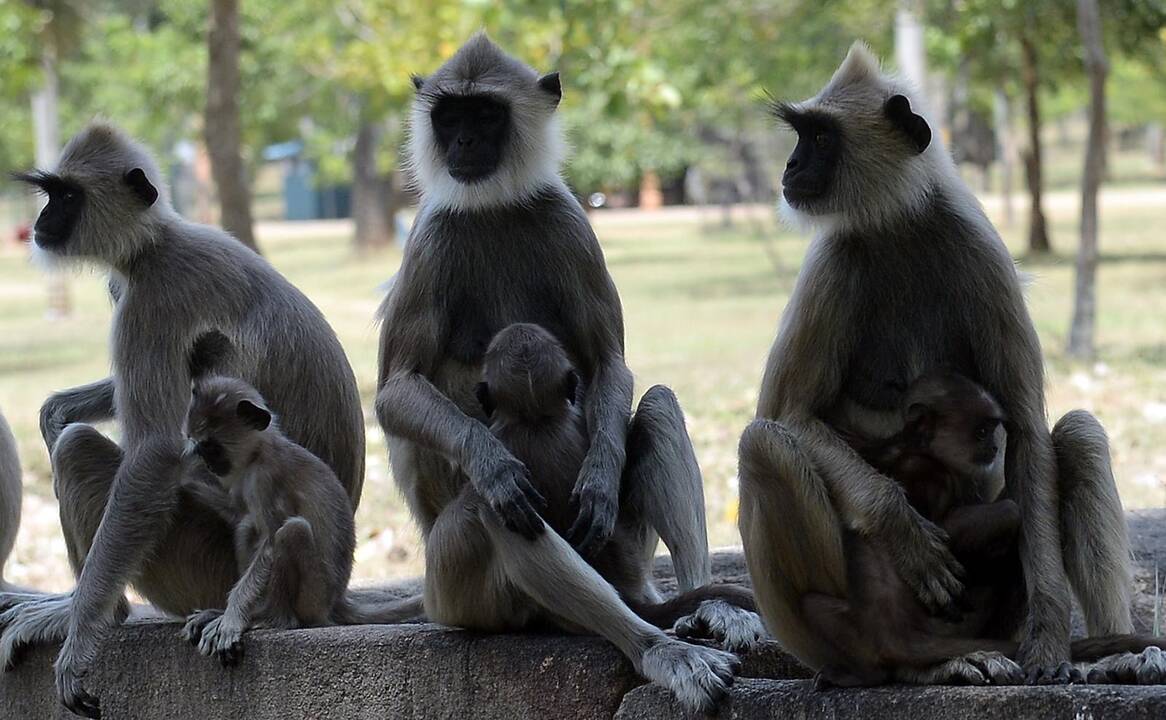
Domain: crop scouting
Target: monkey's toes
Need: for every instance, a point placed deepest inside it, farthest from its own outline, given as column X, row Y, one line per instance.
column 735, row 628
column 74, row 696
column 998, row 668
column 196, row 623
column 699, row 677
column 1145, row 668
column 1063, row 673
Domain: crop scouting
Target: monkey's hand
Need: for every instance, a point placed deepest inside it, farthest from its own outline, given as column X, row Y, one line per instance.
column 927, row 565
column 596, row 496
column 70, row 676
column 504, row 482
column 223, row 638
column 52, row 420
column 1044, row 652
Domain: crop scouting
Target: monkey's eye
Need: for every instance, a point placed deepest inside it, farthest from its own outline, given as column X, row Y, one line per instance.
column 822, row 140
column 68, row 196
column 981, row 432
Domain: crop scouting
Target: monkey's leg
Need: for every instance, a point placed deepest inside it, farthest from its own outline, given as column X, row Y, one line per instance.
column 83, row 404
column 84, row 462
column 554, row 576
column 792, row 537
column 1093, row 526
column 222, row 635
column 662, row 483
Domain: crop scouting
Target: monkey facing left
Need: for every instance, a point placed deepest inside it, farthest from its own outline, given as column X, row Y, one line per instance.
column 123, row 511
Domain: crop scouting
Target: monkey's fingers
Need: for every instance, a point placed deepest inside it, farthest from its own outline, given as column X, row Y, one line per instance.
column 519, row 516
column 531, row 492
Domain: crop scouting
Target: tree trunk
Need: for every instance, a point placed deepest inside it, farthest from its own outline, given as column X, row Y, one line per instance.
column 1006, row 152
column 373, row 204
column 1085, row 305
column 1038, row 234
column 46, row 126
column 222, row 125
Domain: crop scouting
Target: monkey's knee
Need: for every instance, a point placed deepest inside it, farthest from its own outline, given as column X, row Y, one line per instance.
column 294, row 536
column 82, row 454
column 767, row 448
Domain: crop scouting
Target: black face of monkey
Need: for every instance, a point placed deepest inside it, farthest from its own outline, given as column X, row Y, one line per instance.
column 472, row 132
column 66, row 199
column 809, row 173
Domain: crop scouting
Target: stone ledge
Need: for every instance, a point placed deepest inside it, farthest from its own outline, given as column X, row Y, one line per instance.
column 424, row 671
column 797, row 700
column 146, row 671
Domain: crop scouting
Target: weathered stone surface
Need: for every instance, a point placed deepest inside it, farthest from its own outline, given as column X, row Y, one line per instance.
column 424, row 671
column 797, row 700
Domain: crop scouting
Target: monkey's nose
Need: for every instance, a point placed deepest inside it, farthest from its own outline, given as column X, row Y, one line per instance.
column 463, row 141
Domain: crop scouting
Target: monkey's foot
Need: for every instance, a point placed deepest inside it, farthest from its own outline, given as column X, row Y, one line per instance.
column 72, row 692
column 1145, row 668
column 195, row 623
column 223, row 638
column 977, row 668
column 1065, row 673
column 735, row 628
column 699, row 677
column 42, row 620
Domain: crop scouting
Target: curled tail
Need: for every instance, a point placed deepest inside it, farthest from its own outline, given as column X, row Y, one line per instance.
column 665, row 614
column 362, row 608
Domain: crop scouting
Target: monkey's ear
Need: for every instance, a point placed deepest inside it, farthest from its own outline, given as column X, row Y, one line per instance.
column 549, row 83
column 256, row 416
column 920, row 424
column 485, row 399
column 418, row 80
column 137, row 181
column 899, row 112
column 571, row 386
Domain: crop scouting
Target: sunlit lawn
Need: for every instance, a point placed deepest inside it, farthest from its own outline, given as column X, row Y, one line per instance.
column 702, row 304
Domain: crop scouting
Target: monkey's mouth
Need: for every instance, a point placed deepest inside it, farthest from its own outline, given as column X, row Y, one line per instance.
column 470, row 174
column 800, row 196
column 46, row 241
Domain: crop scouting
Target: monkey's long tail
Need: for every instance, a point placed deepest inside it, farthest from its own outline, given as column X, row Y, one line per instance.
column 664, row 615
column 353, row 609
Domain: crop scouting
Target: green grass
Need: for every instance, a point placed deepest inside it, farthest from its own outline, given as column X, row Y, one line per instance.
column 702, row 305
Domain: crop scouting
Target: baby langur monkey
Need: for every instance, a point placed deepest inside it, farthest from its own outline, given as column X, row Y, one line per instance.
column 294, row 530
column 530, row 393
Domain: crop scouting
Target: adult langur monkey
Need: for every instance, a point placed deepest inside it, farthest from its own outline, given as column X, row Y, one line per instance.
column 10, row 492
column 123, row 514
column 906, row 273
column 500, row 240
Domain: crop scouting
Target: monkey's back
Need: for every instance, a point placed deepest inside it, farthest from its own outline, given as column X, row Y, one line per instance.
column 10, row 492
column 282, row 343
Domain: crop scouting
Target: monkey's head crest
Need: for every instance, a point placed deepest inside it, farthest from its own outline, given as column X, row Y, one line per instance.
column 865, row 151
column 483, row 131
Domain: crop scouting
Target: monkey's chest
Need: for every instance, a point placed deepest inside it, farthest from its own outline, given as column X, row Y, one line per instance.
column 900, row 336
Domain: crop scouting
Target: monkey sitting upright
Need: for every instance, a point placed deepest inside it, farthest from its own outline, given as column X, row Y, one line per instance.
column 294, row 530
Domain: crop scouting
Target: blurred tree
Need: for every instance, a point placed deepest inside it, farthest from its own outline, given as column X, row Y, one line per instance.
column 221, row 125
column 1085, row 302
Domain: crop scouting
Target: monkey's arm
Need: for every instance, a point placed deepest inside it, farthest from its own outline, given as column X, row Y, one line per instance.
column 152, row 398
column 85, row 403
column 409, row 406
column 803, row 379
column 607, row 406
column 1011, row 368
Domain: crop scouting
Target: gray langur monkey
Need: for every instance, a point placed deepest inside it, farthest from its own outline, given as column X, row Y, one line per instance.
column 499, row 239
column 293, row 520
column 123, row 513
column 906, row 273
column 11, row 487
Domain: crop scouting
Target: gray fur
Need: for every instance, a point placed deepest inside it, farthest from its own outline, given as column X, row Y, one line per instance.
column 516, row 247
column 294, row 531
column 122, row 510
column 907, row 274
column 10, row 492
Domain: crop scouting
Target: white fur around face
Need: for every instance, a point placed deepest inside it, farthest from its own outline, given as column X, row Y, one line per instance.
column 530, row 163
